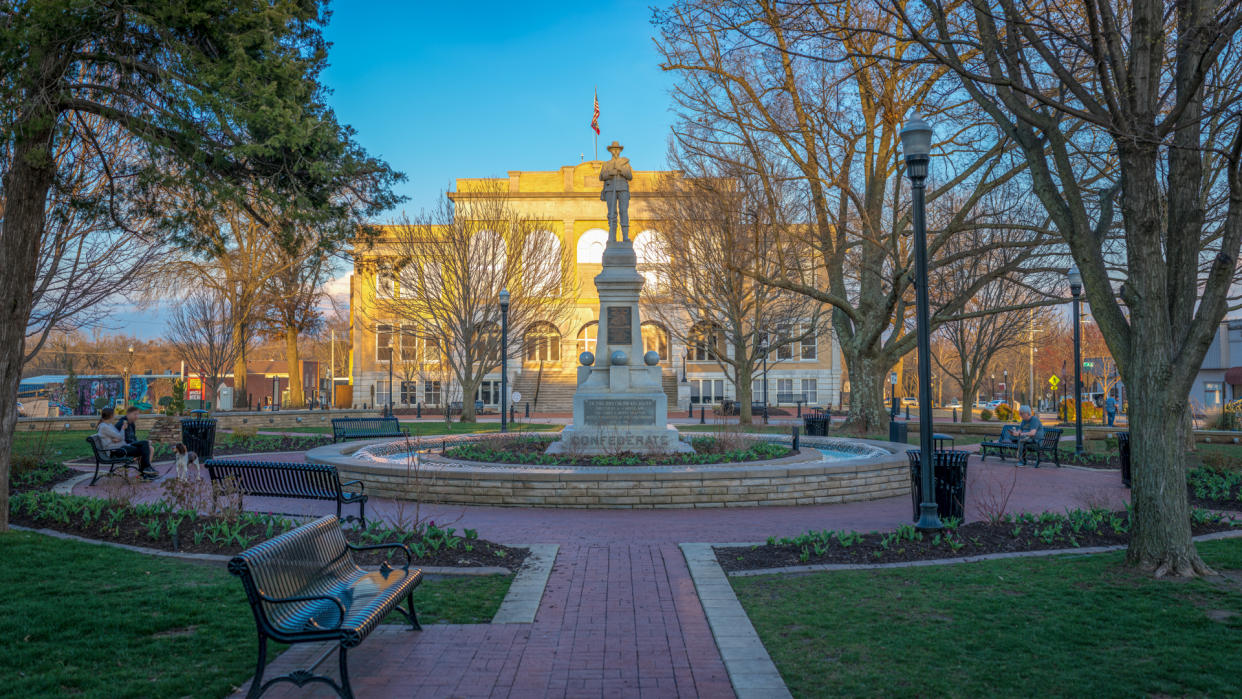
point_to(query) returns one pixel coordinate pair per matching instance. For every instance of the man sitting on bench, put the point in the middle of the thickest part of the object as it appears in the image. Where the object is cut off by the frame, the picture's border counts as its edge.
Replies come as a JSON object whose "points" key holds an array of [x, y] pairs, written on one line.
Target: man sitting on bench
{"points": [[113, 439], [1030, 431]]}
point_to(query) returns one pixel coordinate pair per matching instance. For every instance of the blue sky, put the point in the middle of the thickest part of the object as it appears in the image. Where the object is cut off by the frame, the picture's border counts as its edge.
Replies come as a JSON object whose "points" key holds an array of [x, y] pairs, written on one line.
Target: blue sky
{"points": [[447, 90]]}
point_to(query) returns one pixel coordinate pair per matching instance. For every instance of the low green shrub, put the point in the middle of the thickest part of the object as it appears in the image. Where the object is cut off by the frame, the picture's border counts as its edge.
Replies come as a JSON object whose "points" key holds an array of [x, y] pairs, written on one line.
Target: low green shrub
{"points": [[985, 415]]}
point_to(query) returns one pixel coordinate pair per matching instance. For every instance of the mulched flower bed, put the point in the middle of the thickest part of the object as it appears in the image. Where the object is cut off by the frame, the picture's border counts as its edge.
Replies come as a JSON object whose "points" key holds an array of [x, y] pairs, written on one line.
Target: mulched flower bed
{"points": [[41, 478], [228, 445], [159, 526], [1026, 532], [531, 450], [1214, 489]]}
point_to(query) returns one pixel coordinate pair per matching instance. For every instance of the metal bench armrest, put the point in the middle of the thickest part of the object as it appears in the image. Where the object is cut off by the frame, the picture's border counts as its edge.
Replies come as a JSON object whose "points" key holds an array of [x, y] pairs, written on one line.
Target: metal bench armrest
{"points": [[362, 487], [371, 547], [309, 598]]}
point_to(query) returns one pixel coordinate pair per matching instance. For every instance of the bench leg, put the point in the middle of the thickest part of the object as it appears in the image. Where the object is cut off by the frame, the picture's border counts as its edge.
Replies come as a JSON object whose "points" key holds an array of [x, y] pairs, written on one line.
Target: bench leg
{"points": [[256, 685], [345, 690], [413, 615], [96, 477]]}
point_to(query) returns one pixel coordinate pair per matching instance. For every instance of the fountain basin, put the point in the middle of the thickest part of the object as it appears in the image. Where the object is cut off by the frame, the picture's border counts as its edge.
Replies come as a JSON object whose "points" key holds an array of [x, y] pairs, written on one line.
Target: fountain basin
{"points": [[846, 470]]}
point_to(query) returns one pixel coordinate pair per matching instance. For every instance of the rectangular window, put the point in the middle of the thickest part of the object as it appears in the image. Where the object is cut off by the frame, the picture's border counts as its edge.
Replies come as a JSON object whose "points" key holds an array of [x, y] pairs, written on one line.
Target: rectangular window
{"points": [[409, 392], [1213, 394], [409, 344], [431, 392], [385, 284], [810, 391], [708, 391], [810, 343], [383, 343], [784, 351], [489, 392], [784, 392]]}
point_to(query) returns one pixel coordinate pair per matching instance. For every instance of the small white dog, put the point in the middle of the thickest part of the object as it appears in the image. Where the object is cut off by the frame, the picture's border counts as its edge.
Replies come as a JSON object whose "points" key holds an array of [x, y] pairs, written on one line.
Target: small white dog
{"points": [[185, 459]]}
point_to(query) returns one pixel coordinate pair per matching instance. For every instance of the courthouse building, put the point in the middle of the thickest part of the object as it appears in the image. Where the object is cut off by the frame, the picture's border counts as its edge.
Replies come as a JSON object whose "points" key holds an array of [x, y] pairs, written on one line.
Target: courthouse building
{"points": [[567, 200]]}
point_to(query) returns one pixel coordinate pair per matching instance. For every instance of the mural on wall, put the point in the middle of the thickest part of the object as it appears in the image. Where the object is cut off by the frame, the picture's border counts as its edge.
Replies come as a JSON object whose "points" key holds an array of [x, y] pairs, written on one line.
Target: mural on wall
{"points": [[96, 393]]}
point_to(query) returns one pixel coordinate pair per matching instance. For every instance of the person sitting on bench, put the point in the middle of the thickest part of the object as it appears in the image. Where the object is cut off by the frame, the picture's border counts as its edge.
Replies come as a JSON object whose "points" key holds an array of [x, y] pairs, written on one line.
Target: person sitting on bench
{"points": [[113, 438], [1030, 430]]}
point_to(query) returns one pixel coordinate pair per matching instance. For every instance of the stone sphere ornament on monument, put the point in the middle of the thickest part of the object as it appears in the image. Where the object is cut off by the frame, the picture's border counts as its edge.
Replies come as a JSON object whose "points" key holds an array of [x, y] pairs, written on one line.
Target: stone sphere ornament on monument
{"points": [[619, 405]]}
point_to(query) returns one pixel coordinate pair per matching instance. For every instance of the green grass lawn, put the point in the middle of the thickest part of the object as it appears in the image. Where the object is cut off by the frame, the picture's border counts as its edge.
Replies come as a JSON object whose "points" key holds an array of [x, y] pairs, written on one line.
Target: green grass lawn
{"points": [[95, 620], [1061, 626], [58, 445]]}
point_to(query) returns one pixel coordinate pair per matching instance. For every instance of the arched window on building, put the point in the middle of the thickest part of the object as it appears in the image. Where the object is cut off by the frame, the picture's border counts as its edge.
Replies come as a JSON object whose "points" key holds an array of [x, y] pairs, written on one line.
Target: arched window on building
{"points": [[655, 337], [705, 342], [487, 256], [591, 246], [541, 260], [587, 336], [652, 260], [542, 343]]}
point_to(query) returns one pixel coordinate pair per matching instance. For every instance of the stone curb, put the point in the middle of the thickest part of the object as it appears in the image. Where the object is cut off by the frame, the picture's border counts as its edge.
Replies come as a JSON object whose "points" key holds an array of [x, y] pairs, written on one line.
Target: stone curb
{"points": [[829, 567], [223, 559], [751, 671], [525, 594]]}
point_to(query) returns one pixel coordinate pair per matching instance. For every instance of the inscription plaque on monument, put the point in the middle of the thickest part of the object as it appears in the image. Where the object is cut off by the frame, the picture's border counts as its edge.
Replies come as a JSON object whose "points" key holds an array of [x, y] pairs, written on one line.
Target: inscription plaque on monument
{"points": [[620, 326], [608, 412]]}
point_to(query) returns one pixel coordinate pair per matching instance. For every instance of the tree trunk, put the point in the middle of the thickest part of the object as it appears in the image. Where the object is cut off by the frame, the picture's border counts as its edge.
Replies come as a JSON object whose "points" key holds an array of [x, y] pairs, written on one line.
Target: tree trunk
{"points": [[26, 186], [468, 392], [867, 414], [1160, 537], [745, 395], [296, 399]]}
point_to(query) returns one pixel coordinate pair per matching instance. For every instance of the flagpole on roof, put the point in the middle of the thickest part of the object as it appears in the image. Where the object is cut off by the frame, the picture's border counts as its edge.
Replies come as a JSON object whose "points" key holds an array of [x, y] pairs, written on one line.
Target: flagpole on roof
{"points": [[596, 129]]}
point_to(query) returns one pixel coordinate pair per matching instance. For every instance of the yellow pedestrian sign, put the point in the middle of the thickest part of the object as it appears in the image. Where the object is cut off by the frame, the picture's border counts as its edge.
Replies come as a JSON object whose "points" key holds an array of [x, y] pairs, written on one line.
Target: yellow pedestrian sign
{"points": [[1053, 381]]}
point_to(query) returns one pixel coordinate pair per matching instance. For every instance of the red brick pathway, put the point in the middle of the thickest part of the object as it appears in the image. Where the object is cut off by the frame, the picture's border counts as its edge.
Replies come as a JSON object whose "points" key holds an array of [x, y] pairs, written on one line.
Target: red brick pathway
{"points": [[620, 616]]}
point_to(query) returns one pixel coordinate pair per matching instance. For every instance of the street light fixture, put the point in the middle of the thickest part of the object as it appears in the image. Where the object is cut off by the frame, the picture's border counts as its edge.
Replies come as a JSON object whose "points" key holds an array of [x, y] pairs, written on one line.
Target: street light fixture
{"points": [[129, 372], [916, 145], [892, 395], [504, 360], [1075, 284]]}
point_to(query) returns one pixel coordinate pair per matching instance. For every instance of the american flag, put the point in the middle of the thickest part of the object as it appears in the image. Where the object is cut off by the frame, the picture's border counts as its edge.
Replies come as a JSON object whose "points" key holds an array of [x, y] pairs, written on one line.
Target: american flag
{"points": [[595, 115]]}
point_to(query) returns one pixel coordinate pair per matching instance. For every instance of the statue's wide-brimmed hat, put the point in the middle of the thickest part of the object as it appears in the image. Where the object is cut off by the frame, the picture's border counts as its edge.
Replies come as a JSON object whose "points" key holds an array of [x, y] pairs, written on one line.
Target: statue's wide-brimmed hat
{"points": [[615, 146]]}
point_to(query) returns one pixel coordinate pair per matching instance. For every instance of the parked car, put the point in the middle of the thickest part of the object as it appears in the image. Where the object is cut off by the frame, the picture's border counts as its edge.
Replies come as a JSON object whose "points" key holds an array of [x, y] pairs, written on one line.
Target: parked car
{"points": [[910, 400], [955, 403], [993, 404]]}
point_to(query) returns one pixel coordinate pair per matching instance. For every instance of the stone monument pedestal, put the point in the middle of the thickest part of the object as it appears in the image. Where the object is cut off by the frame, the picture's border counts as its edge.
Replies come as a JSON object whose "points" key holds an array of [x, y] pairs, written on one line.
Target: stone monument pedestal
{"points": [[619, 405]]}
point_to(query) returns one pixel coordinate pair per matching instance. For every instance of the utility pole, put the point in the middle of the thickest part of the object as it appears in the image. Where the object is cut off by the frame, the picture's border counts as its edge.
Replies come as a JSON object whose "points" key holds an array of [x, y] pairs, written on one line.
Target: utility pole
{"points": [[332, 369]]}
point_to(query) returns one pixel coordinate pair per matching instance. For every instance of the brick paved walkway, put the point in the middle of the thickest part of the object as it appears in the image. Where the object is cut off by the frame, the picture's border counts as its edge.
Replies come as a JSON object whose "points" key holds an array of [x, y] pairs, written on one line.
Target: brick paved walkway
{"points": [[620, 616]]}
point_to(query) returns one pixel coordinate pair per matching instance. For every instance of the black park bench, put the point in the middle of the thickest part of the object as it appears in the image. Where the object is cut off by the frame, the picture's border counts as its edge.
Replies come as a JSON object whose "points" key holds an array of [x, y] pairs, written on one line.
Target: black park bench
{"points": [[304, 587], [285, 480], [366, 428], [104, 457], [1046, 446]]}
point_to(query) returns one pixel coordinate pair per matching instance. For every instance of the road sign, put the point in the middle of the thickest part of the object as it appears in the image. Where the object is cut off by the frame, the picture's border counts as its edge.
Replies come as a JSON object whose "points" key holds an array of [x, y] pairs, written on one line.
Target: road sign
{"points": [[1053, 381]]}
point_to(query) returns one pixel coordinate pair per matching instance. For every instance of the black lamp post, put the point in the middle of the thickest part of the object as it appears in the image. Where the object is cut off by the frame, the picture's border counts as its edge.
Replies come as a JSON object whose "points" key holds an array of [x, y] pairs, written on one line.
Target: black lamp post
{"points": [[1005, 383], [892, 395], [504, 360], [129, 373], [391, 351], [992, 394], [1075, 284], [916, 145]]}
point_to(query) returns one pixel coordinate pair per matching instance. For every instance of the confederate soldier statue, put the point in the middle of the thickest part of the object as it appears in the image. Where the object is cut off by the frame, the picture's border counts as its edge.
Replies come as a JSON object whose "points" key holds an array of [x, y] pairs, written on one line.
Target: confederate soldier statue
{"points": [[616, 176]]}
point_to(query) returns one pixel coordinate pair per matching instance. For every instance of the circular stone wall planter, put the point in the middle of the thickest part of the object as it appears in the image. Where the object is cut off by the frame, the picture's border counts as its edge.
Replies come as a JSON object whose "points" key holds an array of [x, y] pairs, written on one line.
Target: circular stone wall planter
{"points": [[880, 470]]}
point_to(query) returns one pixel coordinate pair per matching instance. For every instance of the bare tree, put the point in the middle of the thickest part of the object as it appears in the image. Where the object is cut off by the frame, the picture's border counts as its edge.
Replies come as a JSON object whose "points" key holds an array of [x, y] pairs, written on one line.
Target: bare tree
{"points": [[798, 94], [293, 296], [441, 274], [87, 265], [1155, 85], [201, 330], [717, 236]]}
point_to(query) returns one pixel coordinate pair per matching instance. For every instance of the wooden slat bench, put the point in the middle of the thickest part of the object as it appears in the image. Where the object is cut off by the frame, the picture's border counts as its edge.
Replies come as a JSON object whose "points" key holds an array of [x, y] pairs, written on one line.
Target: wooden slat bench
{"points": [[304, 586], [344, 428], [104, 457], [285, 480]]}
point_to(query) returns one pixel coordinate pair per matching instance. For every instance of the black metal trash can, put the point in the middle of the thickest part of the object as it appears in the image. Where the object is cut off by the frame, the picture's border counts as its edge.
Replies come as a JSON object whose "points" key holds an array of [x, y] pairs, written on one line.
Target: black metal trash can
{"points": [[815, 423], [898, 432], [199, 436], [949, 480], [1123, 450]]}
